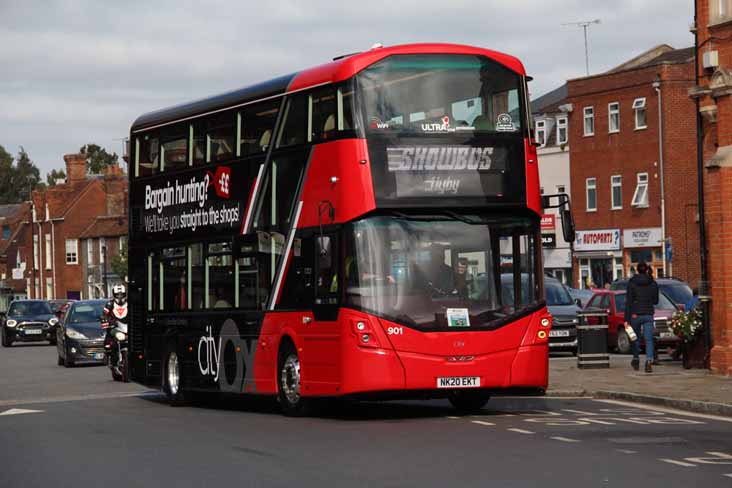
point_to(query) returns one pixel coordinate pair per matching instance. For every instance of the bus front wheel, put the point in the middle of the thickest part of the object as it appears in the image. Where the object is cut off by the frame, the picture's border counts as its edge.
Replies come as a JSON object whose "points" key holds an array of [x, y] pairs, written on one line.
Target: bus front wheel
{"points": [[469, 401], [288, 383]]}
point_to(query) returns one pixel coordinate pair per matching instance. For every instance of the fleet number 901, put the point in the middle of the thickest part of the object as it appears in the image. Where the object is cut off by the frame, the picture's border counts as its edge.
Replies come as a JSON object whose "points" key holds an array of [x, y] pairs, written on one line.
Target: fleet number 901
{"points": [[395, 330]]}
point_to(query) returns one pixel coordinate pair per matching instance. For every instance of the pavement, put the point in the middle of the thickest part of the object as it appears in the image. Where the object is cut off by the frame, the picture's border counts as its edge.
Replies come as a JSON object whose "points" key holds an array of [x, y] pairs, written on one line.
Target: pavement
{"points": [[669, 385]]}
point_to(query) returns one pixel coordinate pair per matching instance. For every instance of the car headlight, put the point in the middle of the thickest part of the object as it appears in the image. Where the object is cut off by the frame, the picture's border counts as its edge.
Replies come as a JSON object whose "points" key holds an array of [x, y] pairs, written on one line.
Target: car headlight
{"points": [[52, 321], [11, 323], [74, 334], [120, 336]]}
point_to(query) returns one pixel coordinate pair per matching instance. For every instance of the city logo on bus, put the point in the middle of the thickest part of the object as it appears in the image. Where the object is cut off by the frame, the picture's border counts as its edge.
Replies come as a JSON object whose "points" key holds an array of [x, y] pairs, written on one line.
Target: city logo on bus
{"points": [[209, 354]]}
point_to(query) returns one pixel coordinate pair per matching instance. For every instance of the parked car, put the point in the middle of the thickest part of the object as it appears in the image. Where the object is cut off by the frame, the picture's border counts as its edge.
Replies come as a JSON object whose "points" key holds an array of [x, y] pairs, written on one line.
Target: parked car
{"points": [[582, 295], [613, 301], [563, 309], [80, 337], [678, 291], [28, 321]]}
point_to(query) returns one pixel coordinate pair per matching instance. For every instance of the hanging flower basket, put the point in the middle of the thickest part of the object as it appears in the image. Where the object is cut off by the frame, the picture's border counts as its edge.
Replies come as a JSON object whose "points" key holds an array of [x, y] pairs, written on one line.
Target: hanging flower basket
{"points": [[689, 326]]}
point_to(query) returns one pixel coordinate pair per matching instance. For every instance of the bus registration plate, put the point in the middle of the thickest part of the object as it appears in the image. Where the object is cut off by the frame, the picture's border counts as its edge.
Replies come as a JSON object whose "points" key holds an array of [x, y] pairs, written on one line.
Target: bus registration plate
{"points": [[458, 382]]}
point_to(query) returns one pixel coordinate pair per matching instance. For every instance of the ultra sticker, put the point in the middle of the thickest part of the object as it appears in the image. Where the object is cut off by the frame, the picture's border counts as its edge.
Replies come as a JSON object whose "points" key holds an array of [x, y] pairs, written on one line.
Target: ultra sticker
{"points": [[504, 123], [458, 317]]}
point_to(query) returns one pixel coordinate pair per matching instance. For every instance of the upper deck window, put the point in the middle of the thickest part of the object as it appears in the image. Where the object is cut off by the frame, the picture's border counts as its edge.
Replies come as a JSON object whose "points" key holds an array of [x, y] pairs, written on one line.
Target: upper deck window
{"points": [[255, 124], [440, 94], [147, 155]]}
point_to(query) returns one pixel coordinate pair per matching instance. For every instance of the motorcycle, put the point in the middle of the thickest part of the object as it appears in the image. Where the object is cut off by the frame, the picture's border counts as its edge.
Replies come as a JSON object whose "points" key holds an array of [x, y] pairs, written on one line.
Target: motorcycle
{"points": [[116, 345]]}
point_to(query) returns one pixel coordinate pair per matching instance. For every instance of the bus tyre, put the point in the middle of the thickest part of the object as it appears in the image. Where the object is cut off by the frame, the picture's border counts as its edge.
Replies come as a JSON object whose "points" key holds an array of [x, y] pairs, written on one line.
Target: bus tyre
{"points": [[469, 401], [288, 383], [172, 379], [623, 342]]}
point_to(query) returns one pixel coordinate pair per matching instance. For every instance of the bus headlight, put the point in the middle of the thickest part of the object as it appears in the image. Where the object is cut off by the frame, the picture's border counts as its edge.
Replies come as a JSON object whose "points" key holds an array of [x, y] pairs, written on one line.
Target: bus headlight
{"points": [[545, 322]]}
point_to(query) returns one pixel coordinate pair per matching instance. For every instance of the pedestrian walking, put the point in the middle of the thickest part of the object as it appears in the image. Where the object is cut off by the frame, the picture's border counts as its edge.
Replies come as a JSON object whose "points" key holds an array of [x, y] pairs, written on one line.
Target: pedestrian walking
{"points": [[641, 296]]}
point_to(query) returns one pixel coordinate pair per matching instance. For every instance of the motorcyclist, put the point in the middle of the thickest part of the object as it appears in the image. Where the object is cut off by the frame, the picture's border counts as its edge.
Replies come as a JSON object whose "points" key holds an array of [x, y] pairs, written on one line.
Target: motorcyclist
{"points": [[114, 310]]}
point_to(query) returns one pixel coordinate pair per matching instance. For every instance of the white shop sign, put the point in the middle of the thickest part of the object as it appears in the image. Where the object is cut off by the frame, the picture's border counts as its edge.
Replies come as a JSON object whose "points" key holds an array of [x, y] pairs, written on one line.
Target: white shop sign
{"points": [[650, 237], [597, 240]]}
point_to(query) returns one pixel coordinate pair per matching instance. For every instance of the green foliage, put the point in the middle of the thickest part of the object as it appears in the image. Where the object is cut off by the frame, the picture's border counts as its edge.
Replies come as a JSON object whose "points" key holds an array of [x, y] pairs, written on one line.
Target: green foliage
{"points": [[18, 178], [118, 263], [97, 158], [687, 325], [55, 174]]}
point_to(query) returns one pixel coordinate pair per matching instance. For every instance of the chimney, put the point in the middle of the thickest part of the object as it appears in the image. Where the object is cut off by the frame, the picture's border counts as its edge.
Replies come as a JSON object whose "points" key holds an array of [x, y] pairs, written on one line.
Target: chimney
{"points": [[75, 167], [115, 189]]}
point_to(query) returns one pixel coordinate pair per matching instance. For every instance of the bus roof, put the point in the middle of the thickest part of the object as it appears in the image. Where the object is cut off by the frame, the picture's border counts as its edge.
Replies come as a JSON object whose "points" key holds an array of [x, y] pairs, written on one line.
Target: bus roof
{"points": [[333, 72]]}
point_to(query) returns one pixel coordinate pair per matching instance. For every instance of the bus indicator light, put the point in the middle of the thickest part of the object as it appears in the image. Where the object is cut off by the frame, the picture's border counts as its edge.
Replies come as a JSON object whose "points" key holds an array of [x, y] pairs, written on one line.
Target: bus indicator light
{"points": [[542, 334]]}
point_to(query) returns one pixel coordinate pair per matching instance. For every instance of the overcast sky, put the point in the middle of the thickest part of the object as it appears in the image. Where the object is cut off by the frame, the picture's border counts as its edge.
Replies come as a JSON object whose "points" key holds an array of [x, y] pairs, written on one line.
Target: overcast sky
{"points": [[78, 71]]}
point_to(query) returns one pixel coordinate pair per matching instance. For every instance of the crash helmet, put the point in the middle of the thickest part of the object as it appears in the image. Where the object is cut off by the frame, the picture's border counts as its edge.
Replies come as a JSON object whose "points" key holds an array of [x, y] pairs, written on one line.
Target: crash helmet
{"points": [[120, 294]]}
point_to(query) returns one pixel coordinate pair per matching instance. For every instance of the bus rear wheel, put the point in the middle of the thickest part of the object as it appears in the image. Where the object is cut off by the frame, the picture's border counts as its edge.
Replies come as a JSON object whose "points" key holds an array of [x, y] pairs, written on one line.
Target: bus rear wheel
{"points": [[469, 401], [288, 383]]}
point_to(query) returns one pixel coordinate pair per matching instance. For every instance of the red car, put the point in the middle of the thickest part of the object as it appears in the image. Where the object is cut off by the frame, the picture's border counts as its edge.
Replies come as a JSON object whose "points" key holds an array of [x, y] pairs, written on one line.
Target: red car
{"points": [[613, 301]]}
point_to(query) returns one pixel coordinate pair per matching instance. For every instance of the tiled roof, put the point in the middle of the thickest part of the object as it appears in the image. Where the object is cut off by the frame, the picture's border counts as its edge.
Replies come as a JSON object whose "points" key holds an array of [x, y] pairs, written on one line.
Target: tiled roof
{"points": [[677, 56], [106, 226], [549, 102], [9, 209]]}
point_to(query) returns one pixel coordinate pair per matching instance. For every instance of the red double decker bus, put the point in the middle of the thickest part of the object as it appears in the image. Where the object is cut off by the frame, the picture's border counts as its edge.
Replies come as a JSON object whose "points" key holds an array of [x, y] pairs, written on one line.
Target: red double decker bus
{"points": [[368, 228]]}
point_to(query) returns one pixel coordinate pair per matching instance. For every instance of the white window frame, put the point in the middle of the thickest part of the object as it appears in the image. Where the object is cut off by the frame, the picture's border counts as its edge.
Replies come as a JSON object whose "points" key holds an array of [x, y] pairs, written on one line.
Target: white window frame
{"points": [[540, 127], [588, 115], [639, 105], [49, 257], [641, 189], [72, 251], [590, 184], [616, 181], [36, 251], [720, 10], [562, 124], [90, 252], [49, 289], [102, 244], [613, 109]]}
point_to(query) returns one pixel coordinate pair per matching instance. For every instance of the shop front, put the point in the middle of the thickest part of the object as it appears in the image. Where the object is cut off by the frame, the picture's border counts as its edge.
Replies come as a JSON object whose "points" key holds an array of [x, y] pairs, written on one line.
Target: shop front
{"points": [[557, 255], [643, 246], [599, 257]]}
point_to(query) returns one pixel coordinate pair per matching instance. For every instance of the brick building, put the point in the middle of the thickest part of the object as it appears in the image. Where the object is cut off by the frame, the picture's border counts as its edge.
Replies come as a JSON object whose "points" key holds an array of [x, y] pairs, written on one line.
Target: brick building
{"points": [[551, 129], [712, 92], [617, 169], [12, 217], [45, 249]]}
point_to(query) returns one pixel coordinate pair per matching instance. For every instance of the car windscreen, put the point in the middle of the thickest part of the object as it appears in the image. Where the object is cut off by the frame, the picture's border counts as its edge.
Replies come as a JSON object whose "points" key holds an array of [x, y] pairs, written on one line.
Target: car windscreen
{"points": [[29, 308], [678, 292], [556, 294], [86, 312]]}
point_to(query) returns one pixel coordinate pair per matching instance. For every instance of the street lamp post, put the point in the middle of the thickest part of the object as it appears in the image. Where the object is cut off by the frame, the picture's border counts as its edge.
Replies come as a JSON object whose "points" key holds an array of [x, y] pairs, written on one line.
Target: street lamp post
{"points": [[657, 86]]}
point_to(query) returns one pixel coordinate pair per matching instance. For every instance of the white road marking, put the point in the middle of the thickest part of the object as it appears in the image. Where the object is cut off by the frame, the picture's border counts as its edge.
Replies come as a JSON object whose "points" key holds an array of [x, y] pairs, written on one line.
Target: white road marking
{"points": [[674, 411], [80, 398], [521, 431], [579, 412], [480, 422], [564, 439], [19, 411], [453, 418], [728, 475], [678, 463], [627, 451]]}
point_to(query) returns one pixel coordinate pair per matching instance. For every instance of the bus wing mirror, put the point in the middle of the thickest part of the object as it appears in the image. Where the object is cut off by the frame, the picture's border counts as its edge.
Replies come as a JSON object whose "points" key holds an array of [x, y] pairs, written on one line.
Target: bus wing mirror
{"points": [[568, 228], [324, 251]]}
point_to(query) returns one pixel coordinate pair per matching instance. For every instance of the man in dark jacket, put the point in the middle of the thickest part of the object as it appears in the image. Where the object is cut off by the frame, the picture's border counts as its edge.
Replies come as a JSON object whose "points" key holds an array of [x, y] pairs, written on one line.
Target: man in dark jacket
{"points": [[641, 296]]}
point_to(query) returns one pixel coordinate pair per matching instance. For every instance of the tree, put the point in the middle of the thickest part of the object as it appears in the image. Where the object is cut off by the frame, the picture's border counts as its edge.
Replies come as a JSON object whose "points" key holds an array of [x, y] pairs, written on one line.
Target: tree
{"points": [[55, 174], [17, 179], [118, 263], [97, 158]]}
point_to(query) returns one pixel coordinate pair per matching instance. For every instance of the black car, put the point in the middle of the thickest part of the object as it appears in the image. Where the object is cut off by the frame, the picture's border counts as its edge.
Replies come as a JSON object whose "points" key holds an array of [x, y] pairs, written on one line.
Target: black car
{"points": [[28, 321], [80, 337], [678, 291]]}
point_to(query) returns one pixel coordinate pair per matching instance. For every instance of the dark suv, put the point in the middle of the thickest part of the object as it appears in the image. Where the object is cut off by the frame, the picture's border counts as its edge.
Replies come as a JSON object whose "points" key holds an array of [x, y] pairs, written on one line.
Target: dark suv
{"points": [[678, 291], [28, 321]]}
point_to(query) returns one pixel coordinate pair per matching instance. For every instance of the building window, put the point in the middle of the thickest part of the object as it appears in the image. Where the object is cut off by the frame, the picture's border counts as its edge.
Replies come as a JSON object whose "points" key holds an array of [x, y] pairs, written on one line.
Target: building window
{"points": [[541, 132], [6, 232], [72, 251], [639, 107], [561, 130], [589, 114], [591, 187], [35, 253], [616, 183], [90, 252], [640, 197], [720, 10], [48, 251], [613, 117], [49, 289], [102, 250]]}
